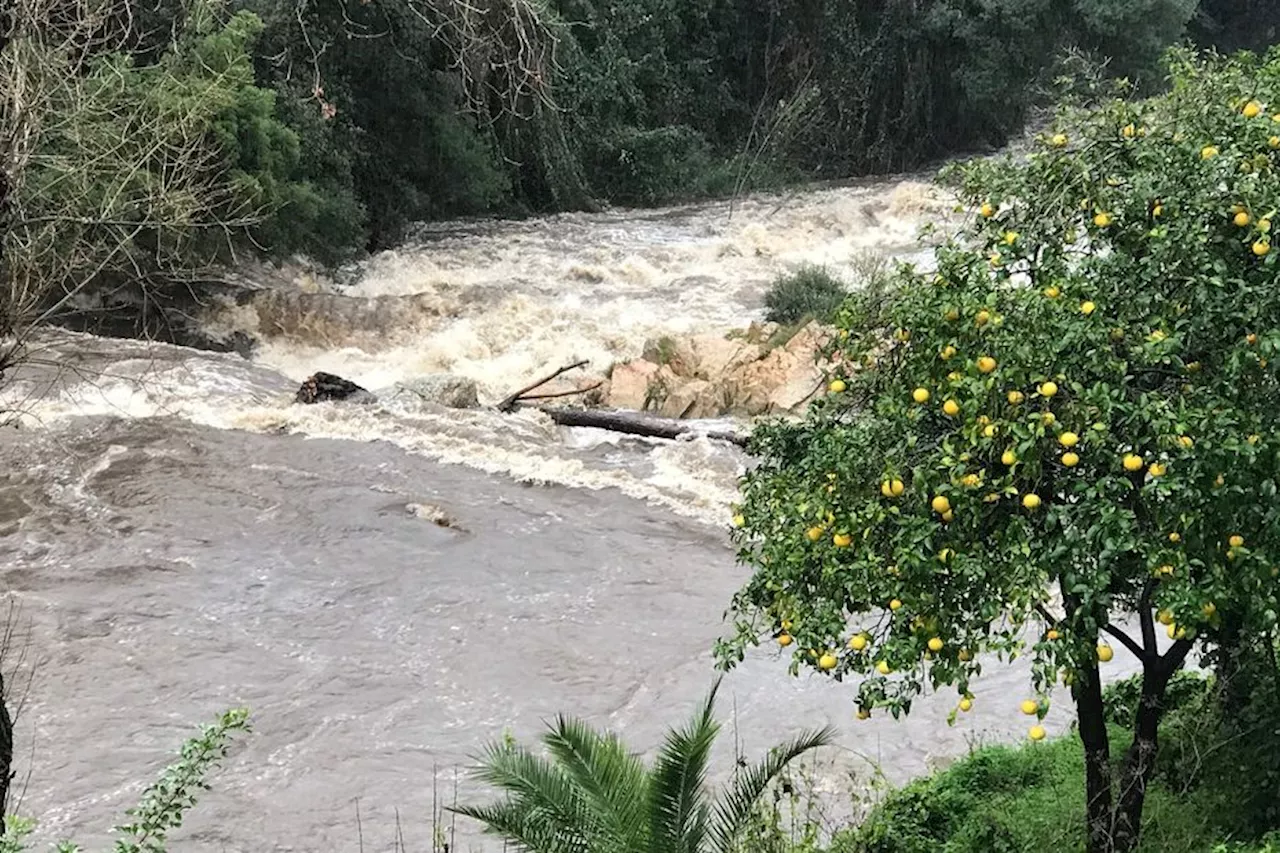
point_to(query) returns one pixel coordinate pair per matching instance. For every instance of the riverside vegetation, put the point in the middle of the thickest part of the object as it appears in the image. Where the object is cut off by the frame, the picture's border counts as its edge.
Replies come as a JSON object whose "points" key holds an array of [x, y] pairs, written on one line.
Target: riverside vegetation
{"points": [[1078, 402]]}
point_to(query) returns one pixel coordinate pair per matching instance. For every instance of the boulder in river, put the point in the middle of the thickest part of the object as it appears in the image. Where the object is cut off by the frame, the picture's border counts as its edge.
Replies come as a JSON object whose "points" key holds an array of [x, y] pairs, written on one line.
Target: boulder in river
{"points": [[441, 389], [629, 385], [320, 387]]}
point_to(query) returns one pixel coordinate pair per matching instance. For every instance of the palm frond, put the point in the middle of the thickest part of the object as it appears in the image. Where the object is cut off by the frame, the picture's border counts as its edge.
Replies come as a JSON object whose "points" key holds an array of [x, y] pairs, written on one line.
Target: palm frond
{"points": [[527, 829], [610, 780], [544, 799], [678, 804], [735, 805]]}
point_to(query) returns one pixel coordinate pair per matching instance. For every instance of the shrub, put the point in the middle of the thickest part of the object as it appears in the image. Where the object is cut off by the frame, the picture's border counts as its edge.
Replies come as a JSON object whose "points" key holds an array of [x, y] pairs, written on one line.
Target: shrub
{"points": [[809, 293]]}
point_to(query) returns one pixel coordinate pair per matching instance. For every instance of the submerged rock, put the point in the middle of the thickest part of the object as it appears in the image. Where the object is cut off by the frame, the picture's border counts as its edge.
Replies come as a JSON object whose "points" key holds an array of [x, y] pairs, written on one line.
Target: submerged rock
{"points": [[441, 389], [321, 387]]}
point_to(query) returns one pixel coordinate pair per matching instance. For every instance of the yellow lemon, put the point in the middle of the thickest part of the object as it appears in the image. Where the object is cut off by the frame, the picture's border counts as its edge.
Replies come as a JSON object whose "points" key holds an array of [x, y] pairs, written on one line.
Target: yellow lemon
{"points": [[837, 386], [982, 317], [842, 540], [786, 624], [739, 520], [1208, 152], [1068, 439], [1251, 339], [1133, 462], [897, 487], [883, 667], [940, 504], [1059, 140], [1209, 609], [1048, 389], [814, 533], [1175, 537], [1087, 308], [920, 395], [1165, 571], [1186, 441], [1261, 248], [1030, 706], [864, 714], [886, 489], [1010, 237], [1236, 541], [1052, 292], [1157, 469], [1128, 131], [948, 517], [784, 640], [986, 364], [1052, 634], [947, 352], [971, 480], [1102, 219], [966, 655], [1048, 419], [1274, 142], [1253, 109], [952, 314], [827, 661], [1008, 457], [1157, 211], [1071, 460], [1105, 652], [1016, 397], [951, 408], [1036, 733], [1031, 501], [858, 642], [1242, 219], [1165, 617], [965, 704], [990, 430], [987, 210], [895, 605], [935, 644]]}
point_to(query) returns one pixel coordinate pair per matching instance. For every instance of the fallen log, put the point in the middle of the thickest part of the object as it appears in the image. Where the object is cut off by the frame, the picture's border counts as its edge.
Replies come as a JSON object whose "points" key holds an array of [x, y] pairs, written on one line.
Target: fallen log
{"points": [[635, 423]]}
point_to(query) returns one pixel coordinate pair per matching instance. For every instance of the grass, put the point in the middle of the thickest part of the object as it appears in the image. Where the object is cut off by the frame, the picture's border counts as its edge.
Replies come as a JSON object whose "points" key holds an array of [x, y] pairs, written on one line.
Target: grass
{"points": [[1215, 791]]}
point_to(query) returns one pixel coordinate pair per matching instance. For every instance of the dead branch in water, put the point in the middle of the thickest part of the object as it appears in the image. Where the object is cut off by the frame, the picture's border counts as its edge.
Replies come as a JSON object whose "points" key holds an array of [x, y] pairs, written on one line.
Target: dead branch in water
{"points": [[635, 423], [509, 403], [572, 393]]}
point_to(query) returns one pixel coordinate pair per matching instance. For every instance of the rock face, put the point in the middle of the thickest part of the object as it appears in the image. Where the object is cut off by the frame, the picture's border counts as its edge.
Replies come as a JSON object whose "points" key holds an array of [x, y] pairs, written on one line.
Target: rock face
{"points": [[441, 389], [320, 387], [707, 375]]}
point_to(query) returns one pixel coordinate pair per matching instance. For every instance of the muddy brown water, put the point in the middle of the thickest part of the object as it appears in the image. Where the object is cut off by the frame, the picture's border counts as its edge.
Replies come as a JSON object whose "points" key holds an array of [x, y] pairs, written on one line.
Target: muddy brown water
{"points": [[180, 539]]}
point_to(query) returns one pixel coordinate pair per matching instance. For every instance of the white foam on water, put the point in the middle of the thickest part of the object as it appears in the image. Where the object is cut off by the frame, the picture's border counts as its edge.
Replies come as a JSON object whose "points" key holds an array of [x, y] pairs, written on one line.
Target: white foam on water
{"points": [[520, 299]]}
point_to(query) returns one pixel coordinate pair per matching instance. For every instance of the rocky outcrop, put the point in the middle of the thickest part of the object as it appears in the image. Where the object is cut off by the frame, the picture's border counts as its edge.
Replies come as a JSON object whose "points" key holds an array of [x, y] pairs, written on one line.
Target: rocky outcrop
{"points": [[758, 371], [322, 387]]}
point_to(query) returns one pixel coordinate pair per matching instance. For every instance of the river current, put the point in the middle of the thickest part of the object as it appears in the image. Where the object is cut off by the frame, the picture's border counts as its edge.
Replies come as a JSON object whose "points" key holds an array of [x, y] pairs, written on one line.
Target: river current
{"points": [[179, 538]]}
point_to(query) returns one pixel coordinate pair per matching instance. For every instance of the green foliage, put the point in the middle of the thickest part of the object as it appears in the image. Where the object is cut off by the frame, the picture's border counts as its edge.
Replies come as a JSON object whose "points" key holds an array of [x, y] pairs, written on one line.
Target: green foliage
{"points": [[165, 802], [811, 292], [1028, 799], [1073, 406], [1121, 697], [591, 793]]}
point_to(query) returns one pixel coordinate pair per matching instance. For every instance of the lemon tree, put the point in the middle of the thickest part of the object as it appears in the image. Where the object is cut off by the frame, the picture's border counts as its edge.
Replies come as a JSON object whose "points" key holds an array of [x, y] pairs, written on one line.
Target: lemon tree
{"points": [[1059, 442]]}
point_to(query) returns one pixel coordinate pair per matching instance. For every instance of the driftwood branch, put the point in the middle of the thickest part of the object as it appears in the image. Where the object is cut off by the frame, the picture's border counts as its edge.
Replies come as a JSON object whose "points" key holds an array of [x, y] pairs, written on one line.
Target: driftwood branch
{"points": [[572, 393], [635, 423], [510, 402]]}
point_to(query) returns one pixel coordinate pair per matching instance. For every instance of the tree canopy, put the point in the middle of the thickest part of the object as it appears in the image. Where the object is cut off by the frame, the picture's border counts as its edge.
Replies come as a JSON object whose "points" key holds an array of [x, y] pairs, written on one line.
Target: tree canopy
{"points": [[1059, 438]]}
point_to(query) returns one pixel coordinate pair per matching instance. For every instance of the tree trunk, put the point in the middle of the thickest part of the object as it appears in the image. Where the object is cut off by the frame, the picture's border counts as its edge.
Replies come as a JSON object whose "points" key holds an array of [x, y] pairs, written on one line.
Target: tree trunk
{"points": [[1140, 761], [1231, 673], [635, 423], [6, 749], [1090, 715]]}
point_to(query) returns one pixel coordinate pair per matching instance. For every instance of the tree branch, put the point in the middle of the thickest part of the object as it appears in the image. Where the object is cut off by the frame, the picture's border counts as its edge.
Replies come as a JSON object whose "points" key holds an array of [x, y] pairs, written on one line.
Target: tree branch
{"points": [[1127, 641], [509, 403], [1145, 619]]}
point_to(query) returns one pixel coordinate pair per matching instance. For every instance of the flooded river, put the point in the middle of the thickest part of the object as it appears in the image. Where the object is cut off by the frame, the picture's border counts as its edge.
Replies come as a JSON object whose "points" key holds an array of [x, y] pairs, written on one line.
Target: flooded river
{"points": [[179, 538]]}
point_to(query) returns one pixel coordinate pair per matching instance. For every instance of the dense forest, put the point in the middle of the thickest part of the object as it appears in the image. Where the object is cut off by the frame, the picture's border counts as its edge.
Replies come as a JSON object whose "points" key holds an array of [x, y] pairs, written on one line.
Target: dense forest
{"points": [[153, 141]]}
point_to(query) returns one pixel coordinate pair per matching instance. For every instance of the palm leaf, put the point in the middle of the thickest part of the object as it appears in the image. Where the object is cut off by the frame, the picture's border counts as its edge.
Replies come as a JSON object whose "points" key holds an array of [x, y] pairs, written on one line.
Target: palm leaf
{"points": [[542, 803], [525, 828], [678, 804], [735, 805], [610, 780]]}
